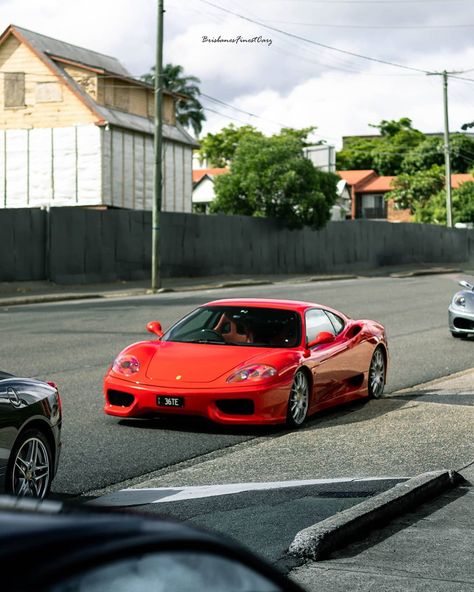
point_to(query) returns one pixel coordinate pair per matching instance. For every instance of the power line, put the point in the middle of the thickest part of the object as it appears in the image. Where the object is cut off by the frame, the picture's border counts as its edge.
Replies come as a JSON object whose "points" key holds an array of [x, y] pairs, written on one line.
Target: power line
{"points": [[300, 38], [372, 27], [243, 111], [395, 2]]}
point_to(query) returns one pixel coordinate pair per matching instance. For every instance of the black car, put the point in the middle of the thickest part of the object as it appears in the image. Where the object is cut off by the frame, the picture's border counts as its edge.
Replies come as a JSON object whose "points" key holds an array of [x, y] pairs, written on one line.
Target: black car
{"points": [[30, 432], [51, 547]]}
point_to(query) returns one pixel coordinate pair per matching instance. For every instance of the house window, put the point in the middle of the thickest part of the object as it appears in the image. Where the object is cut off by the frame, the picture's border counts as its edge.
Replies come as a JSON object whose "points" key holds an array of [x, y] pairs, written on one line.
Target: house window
{"points": [[14, 89], [48, 92], [374, 206]]}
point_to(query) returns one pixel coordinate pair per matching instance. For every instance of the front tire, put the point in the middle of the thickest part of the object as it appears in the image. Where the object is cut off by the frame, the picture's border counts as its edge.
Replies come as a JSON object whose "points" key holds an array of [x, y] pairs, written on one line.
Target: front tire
{"points": [[298, 401], [30, 469], [454, 334], [376, 377]]}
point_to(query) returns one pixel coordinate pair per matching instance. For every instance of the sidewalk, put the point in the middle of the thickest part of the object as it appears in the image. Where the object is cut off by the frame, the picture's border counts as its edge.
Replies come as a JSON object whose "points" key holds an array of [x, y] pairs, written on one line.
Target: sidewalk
{"points": [[428, 548], [31, 292]]}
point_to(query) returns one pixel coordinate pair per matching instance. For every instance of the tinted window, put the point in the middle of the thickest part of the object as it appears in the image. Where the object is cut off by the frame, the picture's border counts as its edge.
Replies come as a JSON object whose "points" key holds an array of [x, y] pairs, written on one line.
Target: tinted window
{"points": [[317, 321], [337, 322], [235, 325]]}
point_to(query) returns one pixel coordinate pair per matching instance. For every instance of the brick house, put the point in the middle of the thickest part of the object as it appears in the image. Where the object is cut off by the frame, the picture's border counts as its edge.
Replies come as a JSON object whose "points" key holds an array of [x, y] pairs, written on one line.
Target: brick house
{"points": [[368, 196]]}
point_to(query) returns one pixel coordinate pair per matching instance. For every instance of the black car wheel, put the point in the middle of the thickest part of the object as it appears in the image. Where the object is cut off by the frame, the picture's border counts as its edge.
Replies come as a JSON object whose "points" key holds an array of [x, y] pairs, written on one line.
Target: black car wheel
{"points": [[376, 379], [454, 334], [298, 402], [30, 469]]}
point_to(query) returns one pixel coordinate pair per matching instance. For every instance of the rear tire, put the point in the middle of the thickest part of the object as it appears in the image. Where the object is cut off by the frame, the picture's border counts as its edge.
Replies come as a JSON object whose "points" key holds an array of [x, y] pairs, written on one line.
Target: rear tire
{"points": [[376, 375], [298, 401], [30, 468]]}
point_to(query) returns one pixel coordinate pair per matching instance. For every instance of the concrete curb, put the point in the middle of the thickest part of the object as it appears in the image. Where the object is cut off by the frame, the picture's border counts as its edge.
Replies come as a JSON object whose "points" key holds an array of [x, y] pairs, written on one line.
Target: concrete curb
{"points": [[319, 540], [59, 297], [40, 298], [45, 298], [432, 271]]}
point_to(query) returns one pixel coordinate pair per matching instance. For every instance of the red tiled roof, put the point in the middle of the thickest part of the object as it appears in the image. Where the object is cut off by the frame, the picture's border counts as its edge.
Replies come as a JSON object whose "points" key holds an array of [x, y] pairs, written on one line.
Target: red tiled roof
{"points": [[356, 177], [377, 185], [460, 178], [198, 174]]}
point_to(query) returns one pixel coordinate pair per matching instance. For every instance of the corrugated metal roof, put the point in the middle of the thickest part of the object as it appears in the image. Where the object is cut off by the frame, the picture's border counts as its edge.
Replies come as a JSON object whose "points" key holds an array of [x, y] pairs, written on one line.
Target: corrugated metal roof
{"points": [[143, 124], [50, 46]]}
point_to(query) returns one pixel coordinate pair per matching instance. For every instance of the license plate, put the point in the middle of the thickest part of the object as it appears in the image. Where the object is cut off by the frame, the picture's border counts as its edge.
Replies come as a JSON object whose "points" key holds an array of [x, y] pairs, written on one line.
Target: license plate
{"points": [[165, 401]]}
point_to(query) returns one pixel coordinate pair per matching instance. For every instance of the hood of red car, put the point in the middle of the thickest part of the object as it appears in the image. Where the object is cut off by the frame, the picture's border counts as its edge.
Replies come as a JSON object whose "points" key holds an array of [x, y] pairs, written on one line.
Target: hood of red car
{"points": [[197, 362]]}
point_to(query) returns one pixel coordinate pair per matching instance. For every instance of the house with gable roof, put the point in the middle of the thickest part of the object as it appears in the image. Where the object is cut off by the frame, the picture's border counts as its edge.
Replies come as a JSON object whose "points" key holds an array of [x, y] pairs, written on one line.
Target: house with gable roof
{"points": [[368, 201], [76, 129]]}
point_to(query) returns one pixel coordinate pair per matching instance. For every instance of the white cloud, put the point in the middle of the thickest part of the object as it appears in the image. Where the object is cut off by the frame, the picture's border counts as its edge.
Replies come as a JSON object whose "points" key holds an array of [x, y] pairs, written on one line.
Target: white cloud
{"points": [[291, 81]]}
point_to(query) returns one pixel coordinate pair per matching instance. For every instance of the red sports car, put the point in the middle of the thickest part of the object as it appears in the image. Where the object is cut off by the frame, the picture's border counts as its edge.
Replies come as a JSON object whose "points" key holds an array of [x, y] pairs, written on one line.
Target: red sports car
{"points": [[258, 361]]}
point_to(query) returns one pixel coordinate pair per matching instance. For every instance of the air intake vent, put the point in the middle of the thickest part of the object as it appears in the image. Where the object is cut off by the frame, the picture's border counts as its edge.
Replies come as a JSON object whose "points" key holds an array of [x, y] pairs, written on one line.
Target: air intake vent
{"points": [[120, 399], [236, 406]]}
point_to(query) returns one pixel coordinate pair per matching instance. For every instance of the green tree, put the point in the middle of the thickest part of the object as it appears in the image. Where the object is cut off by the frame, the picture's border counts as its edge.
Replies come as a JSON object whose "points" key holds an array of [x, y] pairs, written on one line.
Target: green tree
{"points": [[414, 191], [218, 149], [189, 110], [434, 211], [430, 152], [270, 177], [384, 153]]}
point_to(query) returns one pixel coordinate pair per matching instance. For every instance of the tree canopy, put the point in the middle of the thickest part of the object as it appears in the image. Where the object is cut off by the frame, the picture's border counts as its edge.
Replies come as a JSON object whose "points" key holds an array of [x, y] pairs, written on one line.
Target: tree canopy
{"points": [[189, 110], [384, 153], [218, 149], [401, 149], [270, 177], [423, 192]]}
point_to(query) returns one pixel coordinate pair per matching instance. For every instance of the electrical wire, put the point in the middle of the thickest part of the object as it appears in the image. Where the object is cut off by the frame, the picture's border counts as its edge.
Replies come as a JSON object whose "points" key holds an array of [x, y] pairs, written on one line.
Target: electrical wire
{"points": [[319, 44]]}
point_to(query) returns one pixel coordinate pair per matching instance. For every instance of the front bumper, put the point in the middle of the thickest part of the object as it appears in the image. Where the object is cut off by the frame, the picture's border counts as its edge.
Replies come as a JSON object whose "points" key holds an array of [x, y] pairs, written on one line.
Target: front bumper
{"points": [[460, 321], [256, 404]]}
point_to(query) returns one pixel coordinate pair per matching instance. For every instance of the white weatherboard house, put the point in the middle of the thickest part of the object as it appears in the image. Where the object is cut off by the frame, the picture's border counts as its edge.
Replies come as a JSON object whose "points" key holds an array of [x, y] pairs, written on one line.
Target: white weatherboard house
{"points": [[76, 129]]}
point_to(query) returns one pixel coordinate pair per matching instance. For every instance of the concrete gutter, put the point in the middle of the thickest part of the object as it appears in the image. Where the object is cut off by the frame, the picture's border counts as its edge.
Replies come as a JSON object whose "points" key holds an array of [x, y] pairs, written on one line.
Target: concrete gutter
{"points": [[318, 541]]}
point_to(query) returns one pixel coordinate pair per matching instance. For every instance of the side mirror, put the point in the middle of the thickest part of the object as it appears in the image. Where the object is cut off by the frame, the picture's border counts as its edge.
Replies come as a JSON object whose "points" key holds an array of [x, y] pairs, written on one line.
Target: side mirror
{"points": [[155, 327], [321, 338], [467, 285]]}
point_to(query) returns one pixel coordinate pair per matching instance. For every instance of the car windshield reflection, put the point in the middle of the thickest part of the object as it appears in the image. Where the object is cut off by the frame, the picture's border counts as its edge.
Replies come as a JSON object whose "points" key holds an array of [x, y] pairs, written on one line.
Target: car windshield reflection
{"points": [[241, 326], [169, 571]]}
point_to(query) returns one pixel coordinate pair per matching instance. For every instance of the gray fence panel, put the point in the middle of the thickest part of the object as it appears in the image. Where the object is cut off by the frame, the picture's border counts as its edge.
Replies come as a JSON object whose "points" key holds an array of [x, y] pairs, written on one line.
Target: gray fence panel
{"points": [[22, 244], [87, 245]]}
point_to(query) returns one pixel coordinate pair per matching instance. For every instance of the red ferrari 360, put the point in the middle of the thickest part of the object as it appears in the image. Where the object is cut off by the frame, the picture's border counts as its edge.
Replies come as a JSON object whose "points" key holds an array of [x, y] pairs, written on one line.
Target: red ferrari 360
{"points": [[258, 361]]}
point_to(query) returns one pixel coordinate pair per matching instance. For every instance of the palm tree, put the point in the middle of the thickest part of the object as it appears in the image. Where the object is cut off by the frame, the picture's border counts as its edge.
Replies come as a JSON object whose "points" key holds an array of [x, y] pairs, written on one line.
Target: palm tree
{"points": [[189, 111]]}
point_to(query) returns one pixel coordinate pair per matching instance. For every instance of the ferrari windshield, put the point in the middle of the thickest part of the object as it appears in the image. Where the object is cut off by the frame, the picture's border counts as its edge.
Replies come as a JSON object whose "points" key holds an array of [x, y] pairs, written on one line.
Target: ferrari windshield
{"points": [[238, 325]]}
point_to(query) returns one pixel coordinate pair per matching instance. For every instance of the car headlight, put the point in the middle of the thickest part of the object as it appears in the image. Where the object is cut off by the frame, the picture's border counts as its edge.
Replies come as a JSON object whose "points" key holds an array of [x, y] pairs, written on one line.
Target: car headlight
{"points": [[459, 301], [253, 372], [126, 365]]}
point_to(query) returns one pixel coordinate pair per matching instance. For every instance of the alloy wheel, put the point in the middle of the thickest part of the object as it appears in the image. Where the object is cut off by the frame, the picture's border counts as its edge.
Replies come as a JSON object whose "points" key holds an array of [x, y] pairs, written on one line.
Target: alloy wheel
{"points": [[377, 374], [31, 469], [298, 402]]}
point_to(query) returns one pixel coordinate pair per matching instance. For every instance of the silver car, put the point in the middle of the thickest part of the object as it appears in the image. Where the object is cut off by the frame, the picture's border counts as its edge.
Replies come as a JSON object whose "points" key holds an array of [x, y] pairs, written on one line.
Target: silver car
{"points": [[461, 311]]}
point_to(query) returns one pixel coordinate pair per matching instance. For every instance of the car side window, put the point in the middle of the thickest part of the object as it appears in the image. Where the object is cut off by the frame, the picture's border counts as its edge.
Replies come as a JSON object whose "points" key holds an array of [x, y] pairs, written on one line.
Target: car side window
{"points": [[337, 322], [317, 321]]}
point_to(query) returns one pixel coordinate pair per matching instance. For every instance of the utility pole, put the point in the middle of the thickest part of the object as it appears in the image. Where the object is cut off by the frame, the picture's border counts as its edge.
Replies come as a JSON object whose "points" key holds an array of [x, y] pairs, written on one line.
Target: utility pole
{"points": [[447, 154], [447, 151], [158, 161]]}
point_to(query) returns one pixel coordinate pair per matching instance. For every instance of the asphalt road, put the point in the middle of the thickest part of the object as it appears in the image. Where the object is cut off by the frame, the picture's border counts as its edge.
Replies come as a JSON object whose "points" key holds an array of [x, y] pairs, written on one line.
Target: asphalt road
{"points": [[72, 343]]}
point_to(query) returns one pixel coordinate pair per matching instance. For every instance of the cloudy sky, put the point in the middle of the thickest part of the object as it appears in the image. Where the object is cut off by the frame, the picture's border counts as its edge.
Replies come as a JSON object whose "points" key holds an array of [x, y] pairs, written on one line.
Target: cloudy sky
{"points": [[293, 63]]}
